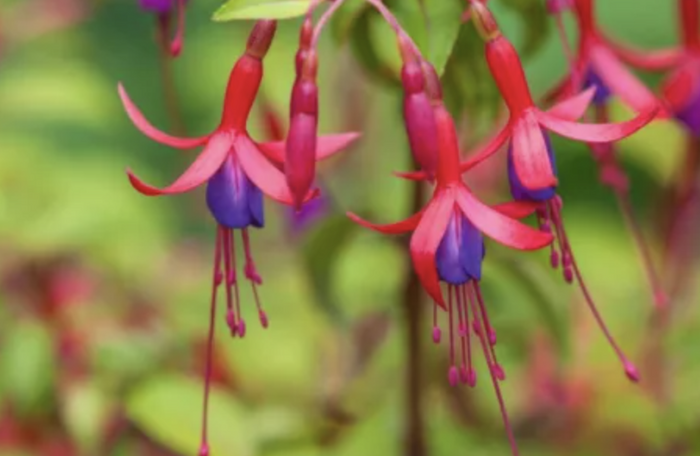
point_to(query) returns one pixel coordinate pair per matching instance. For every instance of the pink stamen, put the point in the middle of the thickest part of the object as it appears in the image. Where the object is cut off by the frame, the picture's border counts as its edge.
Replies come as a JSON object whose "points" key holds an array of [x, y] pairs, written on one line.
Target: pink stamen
{"points": [[437, 334], [230, 279], [204, 446], [630, 369], [480, 300], [176, 44], [494, 379], [471, 372], [241, 322], [453, 374], [254, 277]]}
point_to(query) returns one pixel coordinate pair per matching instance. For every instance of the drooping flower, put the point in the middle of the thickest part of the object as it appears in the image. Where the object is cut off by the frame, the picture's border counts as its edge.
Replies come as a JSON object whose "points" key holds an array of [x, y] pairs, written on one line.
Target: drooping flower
{"points": [[238, 172], [596, 63], [165, 11], [531, 161], [447, 246]]}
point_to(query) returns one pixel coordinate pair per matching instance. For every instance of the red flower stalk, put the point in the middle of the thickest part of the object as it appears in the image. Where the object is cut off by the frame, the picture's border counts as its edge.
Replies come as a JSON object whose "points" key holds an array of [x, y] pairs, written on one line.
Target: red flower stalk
{"points": [[597, 64], [447, 246], [237, 173], [165, 11], [531, 165]]}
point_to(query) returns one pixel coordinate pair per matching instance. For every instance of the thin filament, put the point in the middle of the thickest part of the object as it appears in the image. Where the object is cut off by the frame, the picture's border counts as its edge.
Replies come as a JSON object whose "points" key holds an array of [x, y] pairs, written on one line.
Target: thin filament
{"points": [[494, 380], [325, 17], [230, 277], [204, 445], [394, 23]]}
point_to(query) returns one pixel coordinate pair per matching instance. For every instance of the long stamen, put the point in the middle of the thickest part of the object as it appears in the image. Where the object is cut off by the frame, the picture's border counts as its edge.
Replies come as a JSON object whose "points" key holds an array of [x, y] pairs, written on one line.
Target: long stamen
{"points": [[437, 334], [567, 48], [230, 273], [453, 374], [563, 242], [498, 370], [543, 221], [241, 321], [630, 369], [487, 354], [217, 279], [471, 373], [461, 331], [253, 276]]}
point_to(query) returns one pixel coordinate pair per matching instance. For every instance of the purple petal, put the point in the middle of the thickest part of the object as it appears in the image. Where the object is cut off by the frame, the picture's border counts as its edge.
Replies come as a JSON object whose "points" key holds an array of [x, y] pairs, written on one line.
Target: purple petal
{"points": [[461, 251], [233, 200]]}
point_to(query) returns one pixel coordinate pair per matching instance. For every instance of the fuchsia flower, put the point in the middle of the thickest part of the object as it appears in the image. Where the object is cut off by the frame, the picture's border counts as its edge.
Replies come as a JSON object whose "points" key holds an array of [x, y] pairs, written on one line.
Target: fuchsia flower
{"points": [[531, 164], [681, 88], [165, 10], [447, 246], [237, 172], [597, 64]]}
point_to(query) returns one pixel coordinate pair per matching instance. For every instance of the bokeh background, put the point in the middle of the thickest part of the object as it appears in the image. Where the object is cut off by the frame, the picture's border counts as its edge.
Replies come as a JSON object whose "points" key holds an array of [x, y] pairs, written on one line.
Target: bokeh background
{"points": [[104, 293]]}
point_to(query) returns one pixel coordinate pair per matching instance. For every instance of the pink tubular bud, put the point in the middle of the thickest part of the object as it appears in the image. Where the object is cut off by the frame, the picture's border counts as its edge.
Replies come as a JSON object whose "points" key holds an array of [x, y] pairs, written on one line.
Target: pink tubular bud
{"points": [[305, 35], [419, 118], [260, 38], [300, 160], [432, 82]]}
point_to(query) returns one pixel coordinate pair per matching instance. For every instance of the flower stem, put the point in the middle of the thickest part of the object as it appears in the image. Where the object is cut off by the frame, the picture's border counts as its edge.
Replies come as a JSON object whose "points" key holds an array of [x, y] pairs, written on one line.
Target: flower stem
{"points": [[414, 441], [172, 105]]}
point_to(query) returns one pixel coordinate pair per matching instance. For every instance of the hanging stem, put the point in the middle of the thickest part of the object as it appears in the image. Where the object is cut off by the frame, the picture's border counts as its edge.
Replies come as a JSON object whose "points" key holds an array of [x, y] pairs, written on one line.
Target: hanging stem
{"points": [[415, 444], [172, 106]]}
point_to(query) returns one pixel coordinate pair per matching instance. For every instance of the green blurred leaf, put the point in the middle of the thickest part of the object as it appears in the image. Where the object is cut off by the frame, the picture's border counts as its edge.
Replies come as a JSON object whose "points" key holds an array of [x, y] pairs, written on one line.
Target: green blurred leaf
{"points": [[27, 367], [434, 26], [321, 252], [261, 9], [365, 51], [86, 411], [535, 20], [168, 409]]}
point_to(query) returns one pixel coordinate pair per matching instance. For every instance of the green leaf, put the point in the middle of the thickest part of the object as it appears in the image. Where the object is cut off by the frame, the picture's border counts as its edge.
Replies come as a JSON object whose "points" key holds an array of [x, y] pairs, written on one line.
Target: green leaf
{"points": [[434, 25], [261, 9], [534, 17], [320, 252], [85, 412], [27, 367], [168, 409]]}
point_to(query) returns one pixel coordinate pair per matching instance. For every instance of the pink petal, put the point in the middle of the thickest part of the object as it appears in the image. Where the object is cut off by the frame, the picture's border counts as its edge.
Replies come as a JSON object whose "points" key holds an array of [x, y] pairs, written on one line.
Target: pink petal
{"points": [[484, 151], [503, 229], [620, 81], [517, 209], [680, 86], [596, 133], [262, 173], [207, 163], [573, 108], [426, 240], [404, 226], [152, 132], [530, 156], [412, 175], [644, 59], [326, 146]]}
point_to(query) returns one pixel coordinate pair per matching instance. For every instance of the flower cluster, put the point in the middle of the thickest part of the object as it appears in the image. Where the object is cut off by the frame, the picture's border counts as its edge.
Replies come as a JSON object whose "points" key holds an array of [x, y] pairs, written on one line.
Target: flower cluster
{"points": [[448, 236]]}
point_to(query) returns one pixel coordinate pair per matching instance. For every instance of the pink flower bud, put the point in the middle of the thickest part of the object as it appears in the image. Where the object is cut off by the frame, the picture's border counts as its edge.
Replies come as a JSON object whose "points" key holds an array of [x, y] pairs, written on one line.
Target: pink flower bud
{"points": [[260, 38], [300, 161], [419, 118]]}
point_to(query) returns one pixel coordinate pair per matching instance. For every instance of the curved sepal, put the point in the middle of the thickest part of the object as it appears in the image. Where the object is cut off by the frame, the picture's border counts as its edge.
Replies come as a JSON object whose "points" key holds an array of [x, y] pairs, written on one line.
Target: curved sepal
{"points": [[404, 226], [426, 240], [573, 108], [263, 174], [517, 209], [596, 133], [326, 146], [200, 171], [644, 59], [152, 132], [621, 82], [499, 227]]}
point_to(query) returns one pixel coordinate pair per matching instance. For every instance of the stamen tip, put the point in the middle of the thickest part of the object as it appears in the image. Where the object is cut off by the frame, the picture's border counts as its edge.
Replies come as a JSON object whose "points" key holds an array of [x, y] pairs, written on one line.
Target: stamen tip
{"points": [[231, 322], [568, 275], [241, 328], [437, 334], [203, 450], [492, 337], [499, 372], [453, 376], [263, 319], [631, 372], [471, 378]]}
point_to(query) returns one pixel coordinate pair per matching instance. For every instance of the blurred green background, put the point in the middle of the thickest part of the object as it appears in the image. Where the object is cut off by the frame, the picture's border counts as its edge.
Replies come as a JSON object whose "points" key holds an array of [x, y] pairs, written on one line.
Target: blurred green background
{"points": [[104, 293]]}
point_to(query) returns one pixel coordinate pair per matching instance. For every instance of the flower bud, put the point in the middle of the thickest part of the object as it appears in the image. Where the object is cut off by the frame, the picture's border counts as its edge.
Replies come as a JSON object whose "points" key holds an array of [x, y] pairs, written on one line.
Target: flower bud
{"points": [[484, 22], [419, 118], [300, 161], [305, 35], [260, 38]]}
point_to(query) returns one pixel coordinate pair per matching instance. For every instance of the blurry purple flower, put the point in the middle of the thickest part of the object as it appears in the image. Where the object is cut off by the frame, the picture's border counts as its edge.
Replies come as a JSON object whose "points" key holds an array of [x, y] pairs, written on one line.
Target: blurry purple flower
{"points": [[158, 6], [310, 213]]}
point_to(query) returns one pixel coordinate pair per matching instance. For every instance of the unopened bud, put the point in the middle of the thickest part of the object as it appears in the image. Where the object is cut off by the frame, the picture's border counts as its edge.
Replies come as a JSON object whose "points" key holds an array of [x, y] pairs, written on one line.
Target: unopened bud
{"points": [[405, 49], [305, 35], [484, 22], [419, 118], [309, 67], [300, 159], [260, 38]]}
